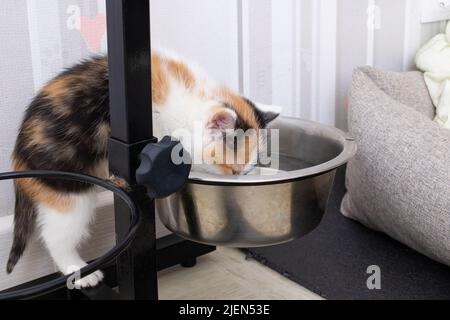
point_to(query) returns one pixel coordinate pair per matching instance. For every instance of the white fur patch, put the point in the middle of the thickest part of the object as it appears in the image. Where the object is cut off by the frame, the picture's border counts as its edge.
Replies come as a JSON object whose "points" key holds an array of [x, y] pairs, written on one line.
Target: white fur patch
{"points": [[63, 232], [184, 108]]}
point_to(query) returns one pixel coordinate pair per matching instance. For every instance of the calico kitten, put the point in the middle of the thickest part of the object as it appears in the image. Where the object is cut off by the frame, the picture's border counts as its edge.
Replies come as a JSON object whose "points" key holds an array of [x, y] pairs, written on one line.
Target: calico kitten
{"points": [[66, 127]]}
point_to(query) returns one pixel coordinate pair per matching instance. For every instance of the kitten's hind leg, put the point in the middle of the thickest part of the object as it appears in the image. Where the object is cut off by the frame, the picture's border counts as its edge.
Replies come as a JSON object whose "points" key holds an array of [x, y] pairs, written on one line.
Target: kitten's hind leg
{"points": [[64, 230]]}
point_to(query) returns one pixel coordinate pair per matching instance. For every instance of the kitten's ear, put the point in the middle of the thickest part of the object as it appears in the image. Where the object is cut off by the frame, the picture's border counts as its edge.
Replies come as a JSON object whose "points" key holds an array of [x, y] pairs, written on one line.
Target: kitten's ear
{"points": [[222, 120], [268, 113], [268, 117]]}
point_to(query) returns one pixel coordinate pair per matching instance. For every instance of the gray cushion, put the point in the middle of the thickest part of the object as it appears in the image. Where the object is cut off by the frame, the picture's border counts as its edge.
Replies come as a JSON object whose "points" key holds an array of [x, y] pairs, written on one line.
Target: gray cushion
{"points": [[399, 181], [408, 88]]}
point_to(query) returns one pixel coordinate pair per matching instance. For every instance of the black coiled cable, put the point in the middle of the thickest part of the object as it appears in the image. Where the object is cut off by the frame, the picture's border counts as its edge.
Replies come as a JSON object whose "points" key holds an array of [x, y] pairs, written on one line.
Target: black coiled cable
{"points": [[98, 263]]}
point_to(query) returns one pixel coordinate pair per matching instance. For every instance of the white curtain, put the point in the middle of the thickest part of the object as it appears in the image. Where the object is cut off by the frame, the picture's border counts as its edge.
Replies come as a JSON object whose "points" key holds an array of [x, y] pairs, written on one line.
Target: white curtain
{"points": [[295, 53]]}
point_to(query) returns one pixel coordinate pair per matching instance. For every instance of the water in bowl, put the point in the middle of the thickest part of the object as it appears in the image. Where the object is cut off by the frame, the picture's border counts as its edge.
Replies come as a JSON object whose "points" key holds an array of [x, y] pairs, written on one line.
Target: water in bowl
{"points": [[286, 164]]}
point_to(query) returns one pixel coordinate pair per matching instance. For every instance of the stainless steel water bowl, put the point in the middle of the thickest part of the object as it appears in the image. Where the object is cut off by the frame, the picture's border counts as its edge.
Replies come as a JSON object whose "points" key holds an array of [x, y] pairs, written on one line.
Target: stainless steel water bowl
{"points": [[262, 210]]}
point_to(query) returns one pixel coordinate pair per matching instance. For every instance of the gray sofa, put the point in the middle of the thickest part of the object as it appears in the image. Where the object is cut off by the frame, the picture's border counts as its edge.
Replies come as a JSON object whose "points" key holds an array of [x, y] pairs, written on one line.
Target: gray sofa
{"points": [[399, 182]]}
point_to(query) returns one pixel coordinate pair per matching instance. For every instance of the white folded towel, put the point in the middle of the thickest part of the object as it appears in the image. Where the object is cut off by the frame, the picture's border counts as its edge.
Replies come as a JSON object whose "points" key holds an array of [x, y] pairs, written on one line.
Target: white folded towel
{"points": [[434, 59]]}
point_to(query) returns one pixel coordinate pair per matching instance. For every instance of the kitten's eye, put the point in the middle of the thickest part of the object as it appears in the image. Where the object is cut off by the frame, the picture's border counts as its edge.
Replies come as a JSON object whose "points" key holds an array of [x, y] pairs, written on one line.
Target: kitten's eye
{"points": [[232, 141]]}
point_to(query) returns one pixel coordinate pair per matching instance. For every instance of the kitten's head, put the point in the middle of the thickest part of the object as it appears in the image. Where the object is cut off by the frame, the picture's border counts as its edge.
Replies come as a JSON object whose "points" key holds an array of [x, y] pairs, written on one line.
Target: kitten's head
{"points": [[232, 136]]}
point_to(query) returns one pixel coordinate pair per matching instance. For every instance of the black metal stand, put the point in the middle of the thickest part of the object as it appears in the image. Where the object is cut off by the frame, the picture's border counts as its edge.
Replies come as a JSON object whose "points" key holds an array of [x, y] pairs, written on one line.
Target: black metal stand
{"points": [[135, 271], [129, 51], [131, 123]]}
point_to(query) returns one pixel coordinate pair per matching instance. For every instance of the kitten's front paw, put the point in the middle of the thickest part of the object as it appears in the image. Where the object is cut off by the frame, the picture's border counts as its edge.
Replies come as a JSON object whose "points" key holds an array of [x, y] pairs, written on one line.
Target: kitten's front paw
{"points": [[119, 182], [91, 280]]}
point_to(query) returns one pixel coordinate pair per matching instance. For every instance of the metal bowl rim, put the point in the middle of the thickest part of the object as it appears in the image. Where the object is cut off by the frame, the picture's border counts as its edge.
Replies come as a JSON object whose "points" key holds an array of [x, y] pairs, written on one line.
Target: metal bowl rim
{"points": [[349, 149]]}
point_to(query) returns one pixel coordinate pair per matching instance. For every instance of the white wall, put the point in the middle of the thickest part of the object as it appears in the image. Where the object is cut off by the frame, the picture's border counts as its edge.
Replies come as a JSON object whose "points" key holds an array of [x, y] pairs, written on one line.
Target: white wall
{"points": [[395, 35], [301, 53], [203, 30], [296, 53]]}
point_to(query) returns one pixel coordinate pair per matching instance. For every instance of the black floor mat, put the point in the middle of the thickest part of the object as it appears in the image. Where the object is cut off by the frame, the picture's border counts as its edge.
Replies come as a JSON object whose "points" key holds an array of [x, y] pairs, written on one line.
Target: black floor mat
{"points": [[332, 261]]}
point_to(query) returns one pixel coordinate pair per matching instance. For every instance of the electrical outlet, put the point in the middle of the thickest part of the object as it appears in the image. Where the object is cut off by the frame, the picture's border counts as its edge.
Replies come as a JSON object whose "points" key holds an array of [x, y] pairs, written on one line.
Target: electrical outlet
{"points": [[435, 10]]}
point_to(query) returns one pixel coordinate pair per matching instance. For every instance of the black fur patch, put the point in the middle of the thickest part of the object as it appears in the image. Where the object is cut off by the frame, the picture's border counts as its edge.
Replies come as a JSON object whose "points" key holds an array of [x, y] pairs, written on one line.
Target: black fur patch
{"points": [[240, 123], [70, 122], [24, 224], [263, 118]]}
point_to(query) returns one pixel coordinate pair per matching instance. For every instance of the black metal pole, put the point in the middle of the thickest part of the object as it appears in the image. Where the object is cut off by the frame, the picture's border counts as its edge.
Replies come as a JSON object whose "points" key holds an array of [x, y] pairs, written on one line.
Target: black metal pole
{"points": [[131, 121], [129, 57]]}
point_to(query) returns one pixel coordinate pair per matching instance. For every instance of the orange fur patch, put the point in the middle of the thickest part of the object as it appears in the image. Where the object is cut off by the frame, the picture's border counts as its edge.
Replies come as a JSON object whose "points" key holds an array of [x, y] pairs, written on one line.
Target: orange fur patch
{"points": [[34, 130], [121, 183], [247, 114], [38, 192], [102, 63], [160, 83], [226, 170], [239, 104], [102, 134], [241, 157], [230, 161], [182, 73], [56, 90], [100, 169]]}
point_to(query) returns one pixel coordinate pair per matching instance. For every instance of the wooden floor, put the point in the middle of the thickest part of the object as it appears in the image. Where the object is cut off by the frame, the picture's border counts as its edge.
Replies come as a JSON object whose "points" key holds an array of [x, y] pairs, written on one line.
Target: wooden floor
{"points": [[226, 274]]}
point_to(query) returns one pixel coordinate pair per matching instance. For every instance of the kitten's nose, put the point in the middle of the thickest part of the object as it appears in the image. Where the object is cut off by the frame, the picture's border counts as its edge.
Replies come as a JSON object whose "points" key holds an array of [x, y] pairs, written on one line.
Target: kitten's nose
{"points": [[238, 170]]}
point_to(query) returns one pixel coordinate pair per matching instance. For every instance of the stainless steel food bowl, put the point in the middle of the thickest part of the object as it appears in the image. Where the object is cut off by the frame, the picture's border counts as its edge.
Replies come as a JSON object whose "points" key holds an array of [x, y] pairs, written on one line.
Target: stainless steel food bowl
{"points": [[262, 210]]}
